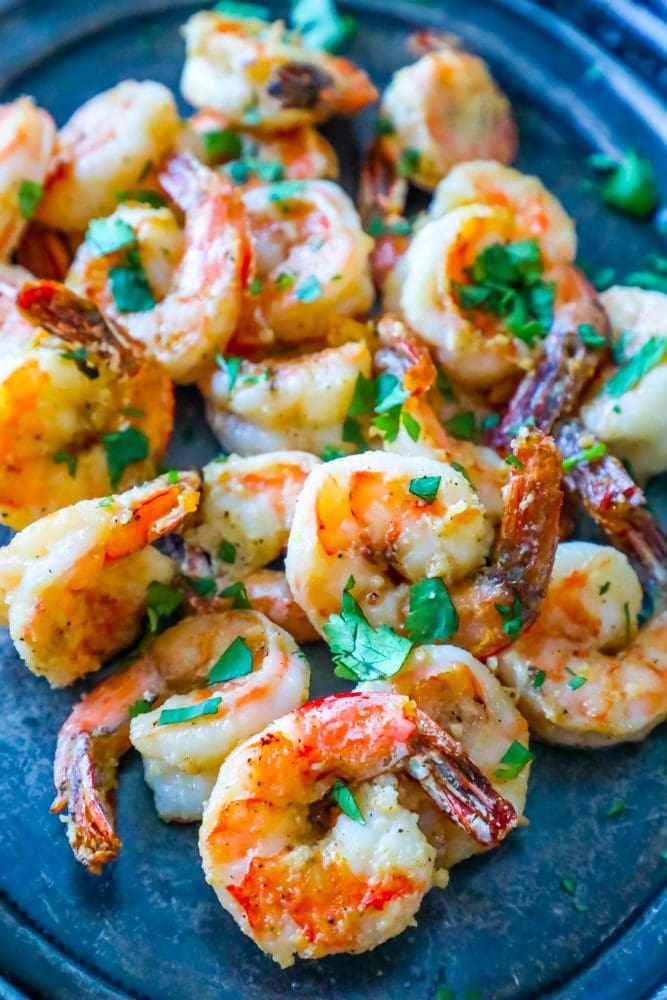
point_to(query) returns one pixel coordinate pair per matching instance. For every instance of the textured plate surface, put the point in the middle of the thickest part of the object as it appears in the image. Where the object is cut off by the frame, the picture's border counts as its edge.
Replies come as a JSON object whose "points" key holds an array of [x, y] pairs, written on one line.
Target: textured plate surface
{"points": [[150, 927]]}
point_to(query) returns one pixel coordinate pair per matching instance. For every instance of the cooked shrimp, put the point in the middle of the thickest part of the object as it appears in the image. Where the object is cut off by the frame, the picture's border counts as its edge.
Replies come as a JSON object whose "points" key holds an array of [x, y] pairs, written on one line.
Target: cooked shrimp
{"points": [[247, 508], [628, 414], [82, 410], [259, 74], [538, 213], [27, 145], [199, 289], [292, 402], [446, 288], [181, 757], [584, 673], [251, 156], [112, 143], [311, 259], [306, 880], [46, 253], [358, 526], [462, 696], [403, 355], [74, 583]]}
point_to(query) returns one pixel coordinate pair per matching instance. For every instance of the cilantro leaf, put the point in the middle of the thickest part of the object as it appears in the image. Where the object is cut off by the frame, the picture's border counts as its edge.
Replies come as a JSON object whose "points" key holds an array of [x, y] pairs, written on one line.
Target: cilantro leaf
{"points": [[586, 455], [432, 616], [222, 142], [515, 759], [321, 26], [361, 652], [408, 162], [346, 801], [108, 235], [122, 448], [631, 187], [71, 461], [231, 366], [642, 361], [139, 707], [227, 552], [512, 617], [239, 595], [462, 426], [144, 197], [589, 336], [170, 715], [309, 289], [130, 287], [162, 602], [236, 661]]}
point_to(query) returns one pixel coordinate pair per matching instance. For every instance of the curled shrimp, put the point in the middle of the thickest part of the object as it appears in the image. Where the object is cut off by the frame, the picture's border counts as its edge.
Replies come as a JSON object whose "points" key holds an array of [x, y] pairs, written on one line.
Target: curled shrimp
{"points": [[181, 758], [630, 418], [250, 156], [474, 344], [287, 402], [306, 880], [246, 509], [112, 143], [585, 675], [259, 74], [403, 355], [358, 518], [74, 583], [462, 696], [74, 389], [311, 260], [198, 279], [27, 145]]}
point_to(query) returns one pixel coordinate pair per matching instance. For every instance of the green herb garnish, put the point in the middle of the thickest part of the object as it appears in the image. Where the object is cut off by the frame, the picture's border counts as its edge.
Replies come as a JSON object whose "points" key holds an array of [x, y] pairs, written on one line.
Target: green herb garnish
{"points": [[586, 455], [426, 487], [170, 715], [122, 448], [130, 287], [139, 707], [239, 595], [631, 187], [29, 197], [227, 552], [408, 162], [237, 8], [162, 602], [346, 801], [231, 366], [589, 336], [321, 25], [515, 759], [538, 679], [236, 661], [70, 460], [309, 289], [432, 616], [512, 618], [642, 361], [515, 462], [462, 426], [105, 236], [152, 198], [615, 809]]}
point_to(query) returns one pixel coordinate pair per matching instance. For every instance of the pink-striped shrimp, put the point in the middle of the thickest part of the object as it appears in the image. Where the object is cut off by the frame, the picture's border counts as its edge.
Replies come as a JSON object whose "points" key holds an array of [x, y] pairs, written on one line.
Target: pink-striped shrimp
{"points": [[75, 582], [251, 671], [198, 279], [304, 878], [27, 146]]}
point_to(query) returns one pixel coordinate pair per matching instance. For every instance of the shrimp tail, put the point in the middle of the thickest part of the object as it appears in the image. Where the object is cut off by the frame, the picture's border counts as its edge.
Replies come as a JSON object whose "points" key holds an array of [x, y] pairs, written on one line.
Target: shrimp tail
{"points": [[382, 193], [421, 43], [300, 85], [457, 786], [609, 494], [404, 355], [554, 387], [89, 798], [78, 321]]}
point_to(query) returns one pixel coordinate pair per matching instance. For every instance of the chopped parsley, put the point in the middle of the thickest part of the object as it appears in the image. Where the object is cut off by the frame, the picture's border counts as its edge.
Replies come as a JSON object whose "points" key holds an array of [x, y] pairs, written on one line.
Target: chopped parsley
{"points": [[591, 454], [130, 287], [515, 759], [648, 280], [222, 142], [615, 809], [321, 25], [29, 197], [170, 715], [139, 707], [122, 448], [162, 602], [489, 421], [205, 586], [426, 487], [230, 366], [569, 885], [236, 661], [384, 396], [105, 502], [589, 336], [284, 281], [604, 588], [152, 198], [380, 227], [642, 361], [346, 801], [238, 8], [576, 681], [255, 286], [462, 471], [512, 618], [70, 460], [330, 453], [515, 462], [408, 162], [631, 186], [227, 552], [443, 385], [132, 411], [309, 290], [239, 595], [462, 426], [385, 126], [628, 621], [105, 236], [432, 616], [506, 280], [266, 170], [361, 652], [539, 678], [283, 190]]}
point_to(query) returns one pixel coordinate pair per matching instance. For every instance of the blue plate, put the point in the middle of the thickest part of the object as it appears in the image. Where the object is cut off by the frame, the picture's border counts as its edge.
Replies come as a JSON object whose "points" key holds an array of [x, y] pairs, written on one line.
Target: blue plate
{"points": [[149, 927]]}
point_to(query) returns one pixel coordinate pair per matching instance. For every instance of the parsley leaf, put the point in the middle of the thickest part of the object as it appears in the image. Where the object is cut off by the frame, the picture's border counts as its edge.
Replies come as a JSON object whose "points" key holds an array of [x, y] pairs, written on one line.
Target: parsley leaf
{"points": [[152, 198], [231, 366], [462, 471], [380, 227], [122, 448], [309, 289], [515, 462], [512, 617], [615, 809], [426, 487], [642, 361], [227, 552], [538, 679], [238, 8], [408, 162], [631, 187], [361, 652], [432, 616], [236, 661], [462, 426], [411, 425], [346, 801], [222, 142], [130, 287], [162, 602], [515, 759], [139, 707], [71, 460], [586, 455], [239, 595], [321, 26], [589, 336], [330, 453], [170, 715], [108, 235], [284, 281], [203, 585], [29, 197]]}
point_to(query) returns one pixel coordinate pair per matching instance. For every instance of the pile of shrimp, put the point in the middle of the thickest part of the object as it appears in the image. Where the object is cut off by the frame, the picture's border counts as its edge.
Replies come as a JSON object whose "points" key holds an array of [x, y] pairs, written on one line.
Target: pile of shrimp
{"points": [[413, 414]]}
